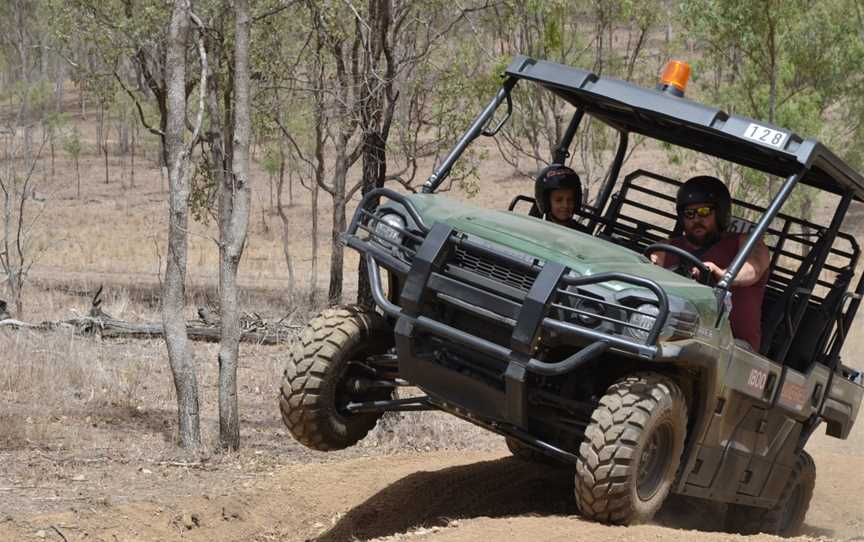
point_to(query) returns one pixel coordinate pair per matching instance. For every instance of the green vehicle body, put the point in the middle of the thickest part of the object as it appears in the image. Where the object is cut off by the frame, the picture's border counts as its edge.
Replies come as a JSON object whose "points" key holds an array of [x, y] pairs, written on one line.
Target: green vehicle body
{"points": [[584, 254], [530, 329]]}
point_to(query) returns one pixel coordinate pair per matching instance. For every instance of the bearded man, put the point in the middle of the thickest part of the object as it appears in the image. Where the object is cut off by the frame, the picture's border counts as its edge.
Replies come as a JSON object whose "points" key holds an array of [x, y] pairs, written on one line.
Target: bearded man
{"points": [[704, 207]]}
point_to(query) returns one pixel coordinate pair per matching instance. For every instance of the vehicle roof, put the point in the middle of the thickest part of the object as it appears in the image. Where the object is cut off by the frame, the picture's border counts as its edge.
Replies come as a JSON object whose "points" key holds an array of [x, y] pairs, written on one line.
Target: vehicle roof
{"points": [[690, 124]]}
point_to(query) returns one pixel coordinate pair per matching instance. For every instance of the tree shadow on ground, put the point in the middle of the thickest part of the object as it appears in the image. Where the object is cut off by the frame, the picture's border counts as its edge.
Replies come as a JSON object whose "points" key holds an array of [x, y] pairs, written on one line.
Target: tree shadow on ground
{"points": [[498, 488]]}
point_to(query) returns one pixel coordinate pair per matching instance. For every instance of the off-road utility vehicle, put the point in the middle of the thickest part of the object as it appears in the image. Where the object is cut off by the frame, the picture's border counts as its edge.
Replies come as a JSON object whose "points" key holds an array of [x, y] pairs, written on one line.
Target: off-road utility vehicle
{"points": [[578, 349]]}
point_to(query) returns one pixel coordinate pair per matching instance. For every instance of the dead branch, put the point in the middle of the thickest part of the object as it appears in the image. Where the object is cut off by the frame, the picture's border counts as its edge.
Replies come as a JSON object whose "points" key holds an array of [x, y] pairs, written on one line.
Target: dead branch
{"points": [[255, 329], [113, 328]]}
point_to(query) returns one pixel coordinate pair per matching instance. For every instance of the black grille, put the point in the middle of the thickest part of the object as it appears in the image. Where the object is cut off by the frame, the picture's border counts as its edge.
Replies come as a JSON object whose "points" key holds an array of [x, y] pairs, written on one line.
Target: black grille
{"points": [[493, 270]]}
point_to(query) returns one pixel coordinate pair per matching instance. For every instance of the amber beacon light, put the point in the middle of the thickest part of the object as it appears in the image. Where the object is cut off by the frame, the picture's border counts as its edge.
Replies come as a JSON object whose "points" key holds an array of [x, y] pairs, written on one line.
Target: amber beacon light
{"points": [[674, 78]]}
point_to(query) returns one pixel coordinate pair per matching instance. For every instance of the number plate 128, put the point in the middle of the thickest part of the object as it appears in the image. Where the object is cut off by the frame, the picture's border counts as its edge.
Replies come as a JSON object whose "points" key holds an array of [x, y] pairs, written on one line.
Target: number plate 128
{"points": [[765, 135]]}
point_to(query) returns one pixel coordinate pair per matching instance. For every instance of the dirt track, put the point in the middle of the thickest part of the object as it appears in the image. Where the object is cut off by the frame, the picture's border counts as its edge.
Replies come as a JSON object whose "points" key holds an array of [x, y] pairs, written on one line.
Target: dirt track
{"points": [[465, 496]]}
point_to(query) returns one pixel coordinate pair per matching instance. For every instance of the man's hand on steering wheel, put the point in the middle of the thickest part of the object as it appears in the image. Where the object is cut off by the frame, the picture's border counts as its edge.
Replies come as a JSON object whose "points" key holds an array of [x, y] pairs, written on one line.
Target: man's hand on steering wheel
{"points": [[705, 273], [717, 272]]}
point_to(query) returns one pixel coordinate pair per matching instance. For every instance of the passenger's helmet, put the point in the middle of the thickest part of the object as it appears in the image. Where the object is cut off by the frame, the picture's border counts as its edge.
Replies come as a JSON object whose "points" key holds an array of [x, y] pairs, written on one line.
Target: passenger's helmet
{"points": [[710, 190], [553, 177]]}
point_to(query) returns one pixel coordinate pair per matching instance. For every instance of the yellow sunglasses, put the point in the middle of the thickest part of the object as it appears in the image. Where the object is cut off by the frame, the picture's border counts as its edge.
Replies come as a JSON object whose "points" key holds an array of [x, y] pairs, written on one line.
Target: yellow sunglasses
{"points": [[703, 211]]}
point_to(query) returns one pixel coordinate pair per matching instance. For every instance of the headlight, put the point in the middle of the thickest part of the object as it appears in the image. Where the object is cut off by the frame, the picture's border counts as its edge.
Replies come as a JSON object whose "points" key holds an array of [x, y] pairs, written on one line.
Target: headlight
{"points": [[643, 319], [586, 310], [387, 229]]}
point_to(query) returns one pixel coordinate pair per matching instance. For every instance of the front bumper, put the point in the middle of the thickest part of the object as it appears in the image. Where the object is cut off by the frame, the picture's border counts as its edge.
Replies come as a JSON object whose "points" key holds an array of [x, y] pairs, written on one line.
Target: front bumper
{"points": [[442, 267]]}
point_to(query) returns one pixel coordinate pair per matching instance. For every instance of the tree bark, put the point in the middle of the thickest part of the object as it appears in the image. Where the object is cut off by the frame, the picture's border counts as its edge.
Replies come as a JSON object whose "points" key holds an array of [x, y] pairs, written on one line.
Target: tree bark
{"points": [[105, 154], [174, 286], [313, 277], [132, 158], [377, 104], [337, 254], [233, 225], [286, 225]]}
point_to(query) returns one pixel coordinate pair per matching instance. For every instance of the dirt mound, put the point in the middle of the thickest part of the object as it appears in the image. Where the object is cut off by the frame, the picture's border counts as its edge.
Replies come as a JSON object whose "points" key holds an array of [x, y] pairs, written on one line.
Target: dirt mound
{"points": [[467, 496]]}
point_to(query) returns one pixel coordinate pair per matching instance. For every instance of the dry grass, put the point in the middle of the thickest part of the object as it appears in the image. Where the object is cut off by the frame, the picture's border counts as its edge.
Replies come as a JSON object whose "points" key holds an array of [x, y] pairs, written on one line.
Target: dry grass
{"points": [[46, 378], [60, 391]]}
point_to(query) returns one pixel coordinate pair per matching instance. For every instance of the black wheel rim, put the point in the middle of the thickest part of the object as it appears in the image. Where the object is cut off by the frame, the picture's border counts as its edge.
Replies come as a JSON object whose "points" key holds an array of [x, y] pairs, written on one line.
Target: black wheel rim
{"points": [[653, 462]]}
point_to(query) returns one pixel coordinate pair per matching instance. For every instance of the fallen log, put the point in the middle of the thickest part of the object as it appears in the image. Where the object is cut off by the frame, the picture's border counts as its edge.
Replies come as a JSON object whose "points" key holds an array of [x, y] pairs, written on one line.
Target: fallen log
{"points": [[255, 329], [113, 328]]}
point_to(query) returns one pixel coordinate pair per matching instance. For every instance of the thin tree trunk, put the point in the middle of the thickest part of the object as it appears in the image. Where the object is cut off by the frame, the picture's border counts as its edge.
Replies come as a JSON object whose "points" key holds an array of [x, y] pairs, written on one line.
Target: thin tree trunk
{"points": [[234, 222], [286, 227], [313, 277], [374, 173], [270, 182], [60, 78], [52, 147], [132, 158], [282, 177], [105, 153], [174, 286], [100, 125], [337, 253]]}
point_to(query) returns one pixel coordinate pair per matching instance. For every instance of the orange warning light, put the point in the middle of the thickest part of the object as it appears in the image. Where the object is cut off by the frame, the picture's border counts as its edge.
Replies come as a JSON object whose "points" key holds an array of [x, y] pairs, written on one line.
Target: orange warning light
{"points": [[676, 74]]}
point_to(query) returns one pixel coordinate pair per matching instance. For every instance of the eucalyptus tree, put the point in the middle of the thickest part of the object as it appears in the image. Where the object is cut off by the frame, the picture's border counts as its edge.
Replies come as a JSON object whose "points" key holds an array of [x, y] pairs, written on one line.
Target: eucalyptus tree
{"points": [[234, 204], [178, 155], [27, 125], [607, 37], [792, 63], [354, 73]]}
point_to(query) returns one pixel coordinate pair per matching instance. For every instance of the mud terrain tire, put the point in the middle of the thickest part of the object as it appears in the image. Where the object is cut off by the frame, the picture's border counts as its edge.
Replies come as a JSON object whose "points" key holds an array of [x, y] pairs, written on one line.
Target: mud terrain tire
{"points": [[787, 516], [631, 451], [526, 453], [314, 389]]}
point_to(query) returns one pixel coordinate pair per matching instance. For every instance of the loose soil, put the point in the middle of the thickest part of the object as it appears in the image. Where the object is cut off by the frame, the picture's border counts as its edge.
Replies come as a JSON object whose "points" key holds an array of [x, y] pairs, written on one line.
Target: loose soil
{"points": [[107, 469], [443, 495]]}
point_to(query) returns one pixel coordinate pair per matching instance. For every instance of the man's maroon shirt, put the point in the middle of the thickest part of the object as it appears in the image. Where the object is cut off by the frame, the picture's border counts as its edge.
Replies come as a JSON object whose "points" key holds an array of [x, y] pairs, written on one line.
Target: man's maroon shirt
{"points": [[746, 316]]}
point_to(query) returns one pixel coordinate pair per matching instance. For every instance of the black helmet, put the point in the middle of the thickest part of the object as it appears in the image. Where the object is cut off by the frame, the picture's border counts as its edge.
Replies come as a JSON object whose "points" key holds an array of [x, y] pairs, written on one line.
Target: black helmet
{"points": [[553, 177], [706, 189]]}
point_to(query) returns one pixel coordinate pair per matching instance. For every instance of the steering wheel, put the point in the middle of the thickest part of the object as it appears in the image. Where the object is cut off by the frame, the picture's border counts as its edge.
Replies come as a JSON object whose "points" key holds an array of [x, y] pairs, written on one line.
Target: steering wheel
{"points": [[704, 276]]}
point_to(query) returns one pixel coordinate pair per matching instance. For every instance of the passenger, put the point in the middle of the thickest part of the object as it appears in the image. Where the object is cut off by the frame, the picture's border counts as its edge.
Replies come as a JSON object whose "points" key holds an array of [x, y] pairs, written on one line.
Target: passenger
{"points": [[704, 207], [558, 194]]}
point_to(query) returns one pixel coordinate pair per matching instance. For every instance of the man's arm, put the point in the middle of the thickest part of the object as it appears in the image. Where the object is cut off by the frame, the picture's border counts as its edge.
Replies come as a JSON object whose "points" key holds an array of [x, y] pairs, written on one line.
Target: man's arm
{"points": [[752, 270]]}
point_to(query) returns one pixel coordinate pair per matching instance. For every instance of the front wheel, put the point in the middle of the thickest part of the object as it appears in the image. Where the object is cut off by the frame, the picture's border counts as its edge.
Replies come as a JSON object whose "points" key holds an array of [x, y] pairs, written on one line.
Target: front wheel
{"points": [[319, 378], [787, 516], [632, 447]]}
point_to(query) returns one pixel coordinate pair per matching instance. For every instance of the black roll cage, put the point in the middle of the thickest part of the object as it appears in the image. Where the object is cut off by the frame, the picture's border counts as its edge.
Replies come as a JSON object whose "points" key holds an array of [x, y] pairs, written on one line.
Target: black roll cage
{"points": [[626, 107]]}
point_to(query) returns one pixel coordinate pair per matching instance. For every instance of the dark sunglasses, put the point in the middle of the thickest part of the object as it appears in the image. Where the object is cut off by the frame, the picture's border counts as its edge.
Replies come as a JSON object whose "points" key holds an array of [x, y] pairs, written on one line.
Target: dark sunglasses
{"points": [[703, 211]]}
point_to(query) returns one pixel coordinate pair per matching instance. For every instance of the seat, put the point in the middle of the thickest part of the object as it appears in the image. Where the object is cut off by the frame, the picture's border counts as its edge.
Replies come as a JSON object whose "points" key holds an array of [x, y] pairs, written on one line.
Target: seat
{"points": [[816, 325]]}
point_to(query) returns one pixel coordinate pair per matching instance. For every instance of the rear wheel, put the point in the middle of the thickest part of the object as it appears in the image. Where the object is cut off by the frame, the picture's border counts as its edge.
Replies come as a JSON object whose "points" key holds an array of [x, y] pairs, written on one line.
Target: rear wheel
{"points": [[321, 375], [631, 451], [787, 516]]}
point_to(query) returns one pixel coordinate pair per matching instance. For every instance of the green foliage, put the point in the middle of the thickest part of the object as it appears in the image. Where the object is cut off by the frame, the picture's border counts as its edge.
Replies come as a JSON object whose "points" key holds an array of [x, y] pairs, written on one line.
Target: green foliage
{"points": [[271, 161], [791, 63], [72, 143]]}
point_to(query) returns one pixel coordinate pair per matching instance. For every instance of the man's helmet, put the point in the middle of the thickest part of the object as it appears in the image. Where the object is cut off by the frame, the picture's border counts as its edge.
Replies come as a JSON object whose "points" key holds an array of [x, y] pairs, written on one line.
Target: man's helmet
{"points": [[710, 190], [553, 177]]}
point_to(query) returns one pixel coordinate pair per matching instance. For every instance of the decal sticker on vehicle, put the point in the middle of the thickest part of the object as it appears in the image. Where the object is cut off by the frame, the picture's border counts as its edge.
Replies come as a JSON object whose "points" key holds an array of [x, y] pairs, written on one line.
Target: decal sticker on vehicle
{"points": [[793, 395], [757, 379], [740, 225], [704, 332], [765, 135]]}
